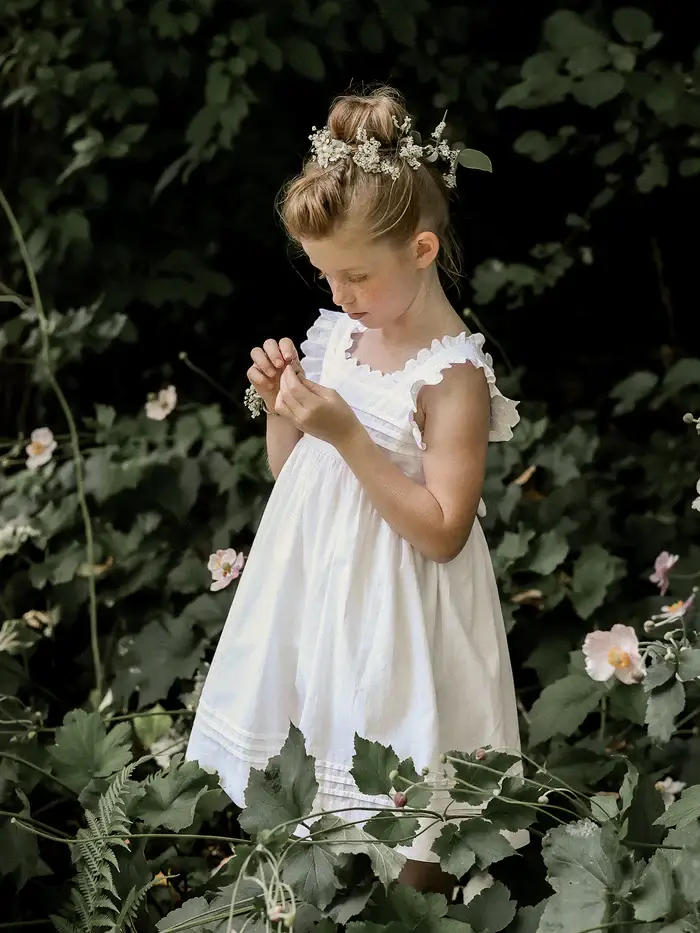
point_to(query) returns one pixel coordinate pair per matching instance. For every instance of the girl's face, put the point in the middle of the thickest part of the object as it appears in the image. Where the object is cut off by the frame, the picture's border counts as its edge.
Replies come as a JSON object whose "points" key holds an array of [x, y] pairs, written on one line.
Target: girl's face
{"points": [[374, 282]]}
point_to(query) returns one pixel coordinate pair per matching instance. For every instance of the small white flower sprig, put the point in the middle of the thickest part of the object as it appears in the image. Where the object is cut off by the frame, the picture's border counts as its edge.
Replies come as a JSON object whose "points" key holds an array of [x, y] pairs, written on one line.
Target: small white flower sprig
{"points": [[368, 156]]}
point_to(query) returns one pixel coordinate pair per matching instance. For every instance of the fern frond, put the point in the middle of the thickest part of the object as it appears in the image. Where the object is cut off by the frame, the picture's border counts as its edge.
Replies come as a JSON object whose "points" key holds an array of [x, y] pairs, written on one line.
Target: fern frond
{"points": [[94, 899], [63, 925], [130, 907]]}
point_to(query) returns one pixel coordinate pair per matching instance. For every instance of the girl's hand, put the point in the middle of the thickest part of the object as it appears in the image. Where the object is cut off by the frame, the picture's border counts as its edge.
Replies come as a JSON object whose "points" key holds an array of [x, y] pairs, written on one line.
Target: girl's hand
{"points": [[315, 410], [269, 362]]}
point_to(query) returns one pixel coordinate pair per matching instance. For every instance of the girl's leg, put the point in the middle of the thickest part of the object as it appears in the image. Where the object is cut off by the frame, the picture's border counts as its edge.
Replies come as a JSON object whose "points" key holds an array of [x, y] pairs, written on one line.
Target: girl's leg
{"points": [[427, 876]]}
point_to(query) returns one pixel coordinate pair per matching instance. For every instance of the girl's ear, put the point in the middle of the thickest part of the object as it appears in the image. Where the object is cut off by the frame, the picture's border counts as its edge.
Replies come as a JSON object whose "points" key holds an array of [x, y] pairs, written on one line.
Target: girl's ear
{"points": [[426, 247]]}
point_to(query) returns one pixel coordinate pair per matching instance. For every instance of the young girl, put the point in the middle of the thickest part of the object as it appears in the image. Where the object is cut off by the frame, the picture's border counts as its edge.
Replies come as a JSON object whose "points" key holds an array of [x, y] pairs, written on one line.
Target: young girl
{"points": [[368, 603]]}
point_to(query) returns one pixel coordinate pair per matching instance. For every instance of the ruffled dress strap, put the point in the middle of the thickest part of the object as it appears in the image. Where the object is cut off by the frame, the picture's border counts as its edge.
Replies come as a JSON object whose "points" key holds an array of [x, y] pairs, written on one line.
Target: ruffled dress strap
{"points": [[427, 369], [313, 349]]}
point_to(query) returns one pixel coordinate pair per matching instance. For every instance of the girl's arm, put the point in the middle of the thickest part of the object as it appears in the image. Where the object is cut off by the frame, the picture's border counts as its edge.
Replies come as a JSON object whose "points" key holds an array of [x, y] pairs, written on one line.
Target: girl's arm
{"points": [[281, 437], [436, 518]]}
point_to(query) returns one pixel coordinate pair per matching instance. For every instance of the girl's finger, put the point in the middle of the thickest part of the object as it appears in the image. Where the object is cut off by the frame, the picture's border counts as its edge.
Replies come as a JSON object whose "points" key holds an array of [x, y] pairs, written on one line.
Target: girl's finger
{"points": [[288, 350], [262, 361], [259, 380], [274, 354]]}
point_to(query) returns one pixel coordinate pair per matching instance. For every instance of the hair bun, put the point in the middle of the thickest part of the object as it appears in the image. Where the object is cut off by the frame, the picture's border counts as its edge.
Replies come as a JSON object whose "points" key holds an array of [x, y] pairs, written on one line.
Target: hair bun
{"points": [[374, 111]]}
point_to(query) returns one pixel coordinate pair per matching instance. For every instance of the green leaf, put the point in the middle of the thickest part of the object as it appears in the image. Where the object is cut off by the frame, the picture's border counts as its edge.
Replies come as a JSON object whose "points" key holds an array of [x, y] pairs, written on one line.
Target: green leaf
{"points": [[171, 798], [528, 919], [689, 167], [506, 814], [372, 764], [491, 910], [628, 702], [658, 674], [19, 854], [84, 749], [304, 57], [598, 88], [190, 910], [473, 841], [473, 158], [654, 174], [392, 829], [633, 24], [594, 571], [549, 552], [681, 376], [153, 725], [604, 807], [652, 898], [662, 708], [567, 32], [479, 778], [640, 805], [684, 811], [419, 796], [632, 390], [309, 869], [581, 860], [402, 908], [350, 904], [353, 840], [562, 707], [284, 791], [689, 664]]}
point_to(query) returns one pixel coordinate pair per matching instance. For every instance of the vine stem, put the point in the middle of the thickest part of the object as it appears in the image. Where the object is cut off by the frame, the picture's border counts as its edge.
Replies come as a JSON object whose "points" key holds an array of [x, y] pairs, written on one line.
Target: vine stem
{"points": [[73, 432], [13, 924], [30, 764]]}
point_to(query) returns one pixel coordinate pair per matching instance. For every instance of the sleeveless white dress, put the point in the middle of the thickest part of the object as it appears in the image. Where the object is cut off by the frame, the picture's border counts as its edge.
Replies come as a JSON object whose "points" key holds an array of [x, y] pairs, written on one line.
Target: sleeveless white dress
{"points": [[341, 626]]}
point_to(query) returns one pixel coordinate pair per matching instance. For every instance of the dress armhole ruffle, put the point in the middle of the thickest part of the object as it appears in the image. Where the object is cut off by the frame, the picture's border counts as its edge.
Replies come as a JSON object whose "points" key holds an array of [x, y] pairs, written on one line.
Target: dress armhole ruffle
{"points": [[463, 349], [313, 349]]}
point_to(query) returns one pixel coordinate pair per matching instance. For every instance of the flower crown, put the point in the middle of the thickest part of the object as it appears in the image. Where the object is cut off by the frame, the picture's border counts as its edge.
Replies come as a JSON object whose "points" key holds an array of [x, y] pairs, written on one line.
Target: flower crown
{"points": [[367, 155]]}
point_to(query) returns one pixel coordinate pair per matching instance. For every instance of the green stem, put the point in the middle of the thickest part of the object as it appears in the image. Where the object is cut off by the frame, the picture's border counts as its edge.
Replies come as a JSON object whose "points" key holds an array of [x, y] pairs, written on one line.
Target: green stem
{"points": [[200, 372], [650, 845], [13, 924], [687, 718], [73, 431], [165, 712], [603, 717], [71, 842], [30, 764], [33, 822]]}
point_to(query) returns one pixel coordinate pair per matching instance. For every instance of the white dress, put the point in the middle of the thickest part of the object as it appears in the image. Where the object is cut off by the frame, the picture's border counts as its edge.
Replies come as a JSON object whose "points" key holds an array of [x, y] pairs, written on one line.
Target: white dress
{"points": [[341, 626]]}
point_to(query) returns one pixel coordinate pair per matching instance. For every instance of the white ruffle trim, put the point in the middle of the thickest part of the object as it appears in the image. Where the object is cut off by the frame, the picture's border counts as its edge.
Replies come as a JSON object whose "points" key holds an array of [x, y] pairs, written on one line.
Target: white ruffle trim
{"points": [[446, 353], [313, 349]]}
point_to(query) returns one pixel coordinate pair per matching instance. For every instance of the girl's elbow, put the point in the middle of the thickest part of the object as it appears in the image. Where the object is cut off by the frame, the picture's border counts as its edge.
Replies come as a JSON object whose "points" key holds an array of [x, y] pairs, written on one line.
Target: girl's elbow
{"points": [[451, 545]]}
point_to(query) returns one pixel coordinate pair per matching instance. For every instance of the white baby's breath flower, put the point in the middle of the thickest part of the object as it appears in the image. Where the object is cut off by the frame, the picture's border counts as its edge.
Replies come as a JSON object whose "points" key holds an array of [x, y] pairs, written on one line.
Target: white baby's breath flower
{"points": [[614, 653], [158, 407], [40, 449], [696, 502], [669, 790], [225, 566]]}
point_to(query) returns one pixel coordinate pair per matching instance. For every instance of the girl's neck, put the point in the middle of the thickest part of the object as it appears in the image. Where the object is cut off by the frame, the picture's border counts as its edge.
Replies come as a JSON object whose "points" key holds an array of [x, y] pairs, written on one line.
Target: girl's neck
{"points": [[429, 314]]}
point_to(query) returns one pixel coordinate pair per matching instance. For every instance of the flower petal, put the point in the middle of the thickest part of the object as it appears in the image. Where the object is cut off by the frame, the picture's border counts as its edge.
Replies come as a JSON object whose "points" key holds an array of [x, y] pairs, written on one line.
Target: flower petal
{"points": [[596, 648]]}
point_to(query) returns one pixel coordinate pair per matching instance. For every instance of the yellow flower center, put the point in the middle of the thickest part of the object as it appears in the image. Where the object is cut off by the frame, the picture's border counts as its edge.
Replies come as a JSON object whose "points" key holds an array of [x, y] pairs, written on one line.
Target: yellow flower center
{"points": [[674, 607], [35, 448], [619, 659], [226, 568]]}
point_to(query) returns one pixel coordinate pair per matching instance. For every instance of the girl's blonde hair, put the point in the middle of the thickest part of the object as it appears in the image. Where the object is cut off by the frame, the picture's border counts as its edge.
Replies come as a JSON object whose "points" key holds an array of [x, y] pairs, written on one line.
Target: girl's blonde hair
{"points": [[319, 200]]}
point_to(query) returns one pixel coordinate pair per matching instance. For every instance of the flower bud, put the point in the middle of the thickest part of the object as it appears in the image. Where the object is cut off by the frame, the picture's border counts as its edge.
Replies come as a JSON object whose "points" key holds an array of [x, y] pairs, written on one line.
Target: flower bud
{"points": [[480, 754], [639, 675], [669, 656], [688, 418], [443, 759], [425, 771], [543, 799], [400, 800], [649, 626]]}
